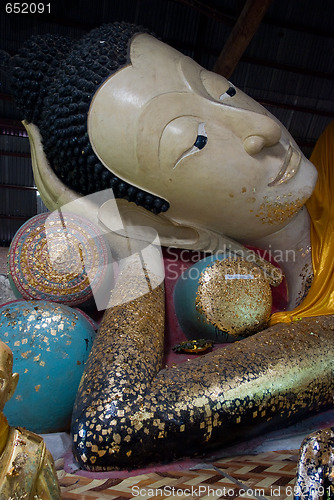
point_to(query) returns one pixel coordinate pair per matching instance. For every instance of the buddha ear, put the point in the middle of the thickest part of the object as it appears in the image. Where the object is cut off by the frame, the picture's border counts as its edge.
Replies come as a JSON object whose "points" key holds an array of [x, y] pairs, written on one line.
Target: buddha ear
{"points": [[12, 385], [53, 192]]}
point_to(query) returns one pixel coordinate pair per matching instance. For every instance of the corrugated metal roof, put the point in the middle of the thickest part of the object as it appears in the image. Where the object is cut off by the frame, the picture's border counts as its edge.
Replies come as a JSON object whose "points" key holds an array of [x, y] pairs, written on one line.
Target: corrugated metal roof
{"points": [[26, 207], [16, 171]]}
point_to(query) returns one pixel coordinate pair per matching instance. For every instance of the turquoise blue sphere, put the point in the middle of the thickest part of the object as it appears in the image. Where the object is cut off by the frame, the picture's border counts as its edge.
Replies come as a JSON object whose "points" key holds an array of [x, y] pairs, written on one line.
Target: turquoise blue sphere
{"points": [[222, 298], [192, 322], [50, 344]]}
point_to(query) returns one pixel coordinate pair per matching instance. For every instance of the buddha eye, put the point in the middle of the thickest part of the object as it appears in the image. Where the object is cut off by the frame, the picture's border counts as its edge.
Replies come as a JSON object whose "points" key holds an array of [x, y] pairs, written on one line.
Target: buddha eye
{"points": [[218, 87], [230, 92], [201, 141], [201, 138]]}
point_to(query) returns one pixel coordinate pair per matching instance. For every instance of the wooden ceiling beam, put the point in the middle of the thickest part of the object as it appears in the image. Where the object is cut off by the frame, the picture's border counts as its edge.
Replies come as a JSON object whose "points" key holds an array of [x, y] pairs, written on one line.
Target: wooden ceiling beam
{"points": [[241, 35], [14, 186]]}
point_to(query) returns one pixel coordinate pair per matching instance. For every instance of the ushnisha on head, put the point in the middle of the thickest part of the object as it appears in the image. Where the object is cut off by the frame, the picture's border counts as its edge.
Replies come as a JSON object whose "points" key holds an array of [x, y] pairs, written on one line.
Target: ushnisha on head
{"points": [[8, 380], [122, 109]]}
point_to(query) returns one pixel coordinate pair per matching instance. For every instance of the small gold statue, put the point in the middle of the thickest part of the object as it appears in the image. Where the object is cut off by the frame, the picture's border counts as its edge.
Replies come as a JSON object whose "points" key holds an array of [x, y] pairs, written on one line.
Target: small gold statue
{"points": [[26, 467], [315, 469]]}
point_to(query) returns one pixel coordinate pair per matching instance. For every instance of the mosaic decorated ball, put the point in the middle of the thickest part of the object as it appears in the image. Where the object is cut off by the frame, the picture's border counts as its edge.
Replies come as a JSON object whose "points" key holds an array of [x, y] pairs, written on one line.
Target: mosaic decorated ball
{"points": [[60, 257], [222, 299], [50, 344]]}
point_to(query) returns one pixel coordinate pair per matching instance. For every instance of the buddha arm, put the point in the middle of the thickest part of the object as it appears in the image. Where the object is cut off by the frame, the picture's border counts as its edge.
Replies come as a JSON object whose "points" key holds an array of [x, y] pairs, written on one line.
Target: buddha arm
{"points": [[127, 411], [125, 358]]}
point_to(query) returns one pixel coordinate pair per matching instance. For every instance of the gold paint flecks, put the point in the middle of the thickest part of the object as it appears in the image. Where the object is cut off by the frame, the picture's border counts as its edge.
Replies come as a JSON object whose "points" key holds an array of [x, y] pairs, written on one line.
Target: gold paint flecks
{"points": [[280, 210], [234, 296], [271, 376], [53, 257], [129, 343]]}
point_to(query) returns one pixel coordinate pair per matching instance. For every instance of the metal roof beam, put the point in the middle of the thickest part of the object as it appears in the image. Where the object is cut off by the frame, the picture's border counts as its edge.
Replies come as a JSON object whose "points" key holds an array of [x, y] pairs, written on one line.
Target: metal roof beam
{"points": [[17, 155], [295, 107], [14, 217], [15, 126]]}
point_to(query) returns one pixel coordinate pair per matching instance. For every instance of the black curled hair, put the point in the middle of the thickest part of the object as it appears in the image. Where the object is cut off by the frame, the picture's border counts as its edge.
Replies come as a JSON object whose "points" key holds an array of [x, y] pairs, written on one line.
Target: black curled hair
{"points": [[54, 80]]}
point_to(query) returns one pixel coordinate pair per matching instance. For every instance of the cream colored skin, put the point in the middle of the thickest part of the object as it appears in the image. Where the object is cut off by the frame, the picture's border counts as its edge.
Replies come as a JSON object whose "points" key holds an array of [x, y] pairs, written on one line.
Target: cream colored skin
{"points": [[247, 185], [143, 123]]}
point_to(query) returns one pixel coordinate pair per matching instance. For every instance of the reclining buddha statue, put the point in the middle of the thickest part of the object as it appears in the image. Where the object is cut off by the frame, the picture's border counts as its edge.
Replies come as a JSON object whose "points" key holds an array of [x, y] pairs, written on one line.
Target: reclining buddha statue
{"points": [[192, 157]]}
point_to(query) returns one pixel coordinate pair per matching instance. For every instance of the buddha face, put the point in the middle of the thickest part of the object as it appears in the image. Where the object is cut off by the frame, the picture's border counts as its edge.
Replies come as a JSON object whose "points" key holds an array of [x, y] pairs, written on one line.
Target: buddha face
{"points": [[174, 129]]}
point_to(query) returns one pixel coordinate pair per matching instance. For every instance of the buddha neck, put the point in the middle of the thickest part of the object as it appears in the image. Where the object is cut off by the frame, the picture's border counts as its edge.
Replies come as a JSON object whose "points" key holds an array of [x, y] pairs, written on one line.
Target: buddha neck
{"points": [[291, 249]]}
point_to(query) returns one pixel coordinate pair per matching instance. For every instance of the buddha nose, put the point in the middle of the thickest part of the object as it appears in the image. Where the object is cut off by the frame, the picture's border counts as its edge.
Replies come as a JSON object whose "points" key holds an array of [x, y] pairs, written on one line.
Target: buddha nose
{"points": [[267, 134]]}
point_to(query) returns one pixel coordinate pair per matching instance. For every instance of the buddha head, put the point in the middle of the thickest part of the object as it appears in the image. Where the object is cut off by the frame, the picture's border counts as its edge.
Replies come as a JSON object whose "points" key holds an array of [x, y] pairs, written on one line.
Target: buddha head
{"points": [[8, 380], [120, 109]]}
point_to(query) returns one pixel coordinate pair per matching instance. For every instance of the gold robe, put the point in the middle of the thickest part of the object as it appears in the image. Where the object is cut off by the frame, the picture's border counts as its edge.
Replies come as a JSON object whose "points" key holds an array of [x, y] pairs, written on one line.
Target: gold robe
{"points": [[26, 467], [320, 298]]}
